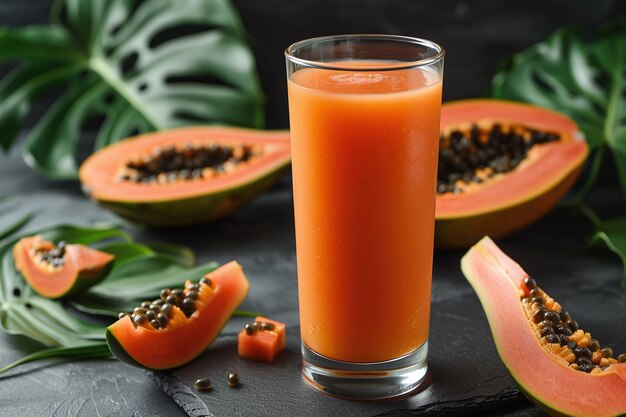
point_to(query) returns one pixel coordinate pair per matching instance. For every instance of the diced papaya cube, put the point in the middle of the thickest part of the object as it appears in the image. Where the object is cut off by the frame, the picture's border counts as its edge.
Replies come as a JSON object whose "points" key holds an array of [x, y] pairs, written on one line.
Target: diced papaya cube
{"points": [[262, 342]]}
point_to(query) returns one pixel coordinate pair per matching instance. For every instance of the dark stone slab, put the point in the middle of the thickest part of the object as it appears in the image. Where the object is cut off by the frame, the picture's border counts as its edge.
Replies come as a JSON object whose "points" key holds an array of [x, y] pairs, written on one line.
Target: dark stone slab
{"points": [[465, 371]]}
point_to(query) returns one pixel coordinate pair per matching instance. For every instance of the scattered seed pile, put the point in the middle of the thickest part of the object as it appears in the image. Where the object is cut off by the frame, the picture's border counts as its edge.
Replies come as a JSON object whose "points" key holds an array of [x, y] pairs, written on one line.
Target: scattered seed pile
{"points": [[255, 326], [186, 162], [158, 312], [475, 154], [205, 384], [53, 258], [561, 335]]}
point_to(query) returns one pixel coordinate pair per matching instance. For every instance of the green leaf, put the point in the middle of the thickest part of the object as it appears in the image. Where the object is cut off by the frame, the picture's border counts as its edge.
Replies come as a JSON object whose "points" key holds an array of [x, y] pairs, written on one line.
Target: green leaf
{"points": [[182, 255], [139, 66], [584, 79], [139, 273], [146, 277], [613, 234], [90, 351], [15, 226]]}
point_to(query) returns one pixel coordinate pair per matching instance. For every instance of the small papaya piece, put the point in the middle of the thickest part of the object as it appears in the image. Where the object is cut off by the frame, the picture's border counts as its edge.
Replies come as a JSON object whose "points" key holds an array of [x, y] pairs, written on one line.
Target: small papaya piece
{"points": [[262, 339]]}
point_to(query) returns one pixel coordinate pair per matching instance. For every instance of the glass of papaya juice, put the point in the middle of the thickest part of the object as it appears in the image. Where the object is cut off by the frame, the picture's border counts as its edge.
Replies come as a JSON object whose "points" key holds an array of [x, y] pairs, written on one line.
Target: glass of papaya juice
{"points": [[364, 118]]}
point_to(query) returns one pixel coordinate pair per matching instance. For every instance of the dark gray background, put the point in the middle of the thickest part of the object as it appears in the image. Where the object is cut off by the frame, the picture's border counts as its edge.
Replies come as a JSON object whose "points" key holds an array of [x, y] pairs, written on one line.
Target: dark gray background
{"points": [[477, 34]]}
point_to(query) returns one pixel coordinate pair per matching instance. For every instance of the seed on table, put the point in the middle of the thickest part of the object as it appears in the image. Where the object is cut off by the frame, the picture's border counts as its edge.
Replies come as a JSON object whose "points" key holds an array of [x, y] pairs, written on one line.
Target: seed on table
{"points": [[233, 380], [203, 384]]}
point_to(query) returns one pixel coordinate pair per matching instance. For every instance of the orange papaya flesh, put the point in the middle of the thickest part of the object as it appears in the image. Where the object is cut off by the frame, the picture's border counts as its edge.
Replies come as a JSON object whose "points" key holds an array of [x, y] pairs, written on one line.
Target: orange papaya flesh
{"points": [[185, 176], [181, 337], [550, 374], [261, 342], [57, 271], [498, 204]]}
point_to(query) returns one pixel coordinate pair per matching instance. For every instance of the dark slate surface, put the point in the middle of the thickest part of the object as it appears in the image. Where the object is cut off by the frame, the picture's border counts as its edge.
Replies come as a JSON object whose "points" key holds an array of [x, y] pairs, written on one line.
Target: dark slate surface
{"points": [[465, 372]]}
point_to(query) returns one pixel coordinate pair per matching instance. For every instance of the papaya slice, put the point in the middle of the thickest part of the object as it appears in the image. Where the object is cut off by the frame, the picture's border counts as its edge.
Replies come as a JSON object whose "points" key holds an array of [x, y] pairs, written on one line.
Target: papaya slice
{"points": [[502, 166], [558, 366], [176, 328], [262, 339], [185, 176], [60, 270]]}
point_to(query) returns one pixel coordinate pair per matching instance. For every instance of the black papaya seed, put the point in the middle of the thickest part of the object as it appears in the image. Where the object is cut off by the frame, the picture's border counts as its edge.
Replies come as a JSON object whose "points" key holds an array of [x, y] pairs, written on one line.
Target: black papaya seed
{"points": [[582, 352], [560, 329], [606, 352], [552, 338], [594, 345], [572, 325], [268, 326], [203, 384], [233, 380], [552, 316], [530, 283], [167, 309], [139, 320]]}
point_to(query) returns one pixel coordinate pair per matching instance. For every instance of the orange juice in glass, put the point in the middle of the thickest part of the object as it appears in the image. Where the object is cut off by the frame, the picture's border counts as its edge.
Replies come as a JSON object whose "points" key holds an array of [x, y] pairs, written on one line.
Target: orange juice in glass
{"points": [[364, 119]]}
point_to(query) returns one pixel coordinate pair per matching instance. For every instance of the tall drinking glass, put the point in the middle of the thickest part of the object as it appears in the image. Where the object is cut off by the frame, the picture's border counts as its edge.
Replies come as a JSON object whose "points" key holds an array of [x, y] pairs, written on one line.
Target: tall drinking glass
{"points": [[364, 115]]}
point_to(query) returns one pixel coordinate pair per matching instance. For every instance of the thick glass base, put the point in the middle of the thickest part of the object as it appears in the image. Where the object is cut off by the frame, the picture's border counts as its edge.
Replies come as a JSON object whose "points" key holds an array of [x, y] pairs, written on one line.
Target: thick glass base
{"points": [[365, 381]]}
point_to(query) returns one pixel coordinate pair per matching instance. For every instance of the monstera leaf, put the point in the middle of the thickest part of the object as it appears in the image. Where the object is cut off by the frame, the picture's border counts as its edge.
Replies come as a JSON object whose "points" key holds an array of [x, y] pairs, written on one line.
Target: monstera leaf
{"points": [[584, 79], [127, 66]]}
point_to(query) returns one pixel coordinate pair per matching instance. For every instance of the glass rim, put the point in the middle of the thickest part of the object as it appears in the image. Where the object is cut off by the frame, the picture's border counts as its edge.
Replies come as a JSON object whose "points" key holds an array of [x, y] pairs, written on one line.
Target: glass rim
{"points": [[332, 65]]}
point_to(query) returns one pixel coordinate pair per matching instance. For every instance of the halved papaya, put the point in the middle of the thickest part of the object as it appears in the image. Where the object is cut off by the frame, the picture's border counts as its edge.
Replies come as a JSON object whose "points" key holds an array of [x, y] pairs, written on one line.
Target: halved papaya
{"points": [[502, 165], [558, 366], [56, 271], [174, 329], [185, 176]]}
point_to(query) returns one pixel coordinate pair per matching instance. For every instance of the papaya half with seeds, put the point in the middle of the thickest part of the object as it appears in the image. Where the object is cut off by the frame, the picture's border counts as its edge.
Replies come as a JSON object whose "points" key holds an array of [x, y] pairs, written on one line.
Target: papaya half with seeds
{"points": [[185, 176], [60, 270], [502, 165], [176, 328], [559, 366]]}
